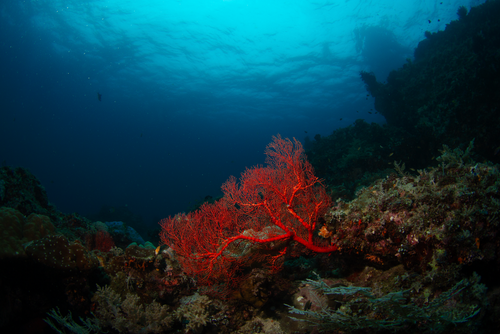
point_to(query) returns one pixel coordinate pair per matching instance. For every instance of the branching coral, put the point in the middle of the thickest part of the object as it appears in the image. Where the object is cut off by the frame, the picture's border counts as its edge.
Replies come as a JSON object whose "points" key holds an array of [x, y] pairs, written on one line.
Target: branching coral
{"points": [[194, 309], [128, 315], [270, 208]]}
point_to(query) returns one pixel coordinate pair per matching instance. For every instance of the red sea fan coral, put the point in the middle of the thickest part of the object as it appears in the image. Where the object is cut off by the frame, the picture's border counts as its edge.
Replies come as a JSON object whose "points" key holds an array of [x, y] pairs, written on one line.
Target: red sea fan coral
{"points": [[270, 208]]}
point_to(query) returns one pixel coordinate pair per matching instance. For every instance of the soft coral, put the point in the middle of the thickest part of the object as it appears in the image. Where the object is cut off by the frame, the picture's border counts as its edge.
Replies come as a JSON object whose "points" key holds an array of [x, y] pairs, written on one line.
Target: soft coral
{"points": [[270, 207]]}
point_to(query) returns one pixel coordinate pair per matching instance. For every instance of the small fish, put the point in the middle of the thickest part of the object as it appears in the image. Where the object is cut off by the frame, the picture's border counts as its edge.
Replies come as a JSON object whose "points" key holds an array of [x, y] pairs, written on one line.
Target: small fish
{"points": [[305, 131], [101, 261], [497, 150], [341, 119], [391, 154], [157, 250], [370, 112], [359, 148], [429, 21], [99, 96]]}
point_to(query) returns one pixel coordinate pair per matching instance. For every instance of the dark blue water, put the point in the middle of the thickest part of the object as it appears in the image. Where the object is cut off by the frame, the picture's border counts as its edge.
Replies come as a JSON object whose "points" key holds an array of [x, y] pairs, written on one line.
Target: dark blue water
{"points": [[191, 91]]}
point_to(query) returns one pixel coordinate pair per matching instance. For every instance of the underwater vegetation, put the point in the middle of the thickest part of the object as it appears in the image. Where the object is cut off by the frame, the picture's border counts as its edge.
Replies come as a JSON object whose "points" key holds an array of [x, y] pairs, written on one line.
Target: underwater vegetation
{"points": [[362, 309], [412, 253], [272, 205]]}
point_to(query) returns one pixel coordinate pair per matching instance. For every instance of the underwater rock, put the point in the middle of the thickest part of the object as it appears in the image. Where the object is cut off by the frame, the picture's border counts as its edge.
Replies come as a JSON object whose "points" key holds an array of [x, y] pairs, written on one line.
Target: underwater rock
{"points": [[440, 217], [123, 234], [37, 226], [16, 230], [21, 190], [11, 233], [58, 253]]}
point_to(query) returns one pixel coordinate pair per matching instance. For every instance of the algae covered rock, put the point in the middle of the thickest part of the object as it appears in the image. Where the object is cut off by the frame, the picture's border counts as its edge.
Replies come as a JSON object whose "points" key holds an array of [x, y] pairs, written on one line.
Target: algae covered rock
{"points": [[57, 252], [37, 226], [11, 233], [16, 230]]}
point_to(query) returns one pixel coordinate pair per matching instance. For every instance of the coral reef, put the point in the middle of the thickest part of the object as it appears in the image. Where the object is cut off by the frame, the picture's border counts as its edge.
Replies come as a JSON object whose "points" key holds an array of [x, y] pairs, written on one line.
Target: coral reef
{"points": [[21, 190], [88, 326], [358, 308], [127, 315], [256, 220], [410, 238], [416, 251], [357, 155], [16, 230], [57, 252], [440, 225], [123, 234], [398, 219], [447, 95]]}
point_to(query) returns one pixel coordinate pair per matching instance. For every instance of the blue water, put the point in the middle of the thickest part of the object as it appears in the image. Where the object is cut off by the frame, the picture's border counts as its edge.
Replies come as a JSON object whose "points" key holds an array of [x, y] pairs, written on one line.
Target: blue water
{"points": [[192, 91]]}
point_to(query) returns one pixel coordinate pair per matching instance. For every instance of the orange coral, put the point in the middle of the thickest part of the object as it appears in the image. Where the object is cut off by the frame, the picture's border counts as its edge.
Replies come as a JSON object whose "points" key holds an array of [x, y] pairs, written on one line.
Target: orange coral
{"points": [[323, 232], [374, 259]]}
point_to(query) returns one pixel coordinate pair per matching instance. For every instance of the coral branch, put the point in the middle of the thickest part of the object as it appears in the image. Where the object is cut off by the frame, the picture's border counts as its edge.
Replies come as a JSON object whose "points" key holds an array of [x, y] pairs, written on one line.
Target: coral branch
{"points": [[270, 208]]}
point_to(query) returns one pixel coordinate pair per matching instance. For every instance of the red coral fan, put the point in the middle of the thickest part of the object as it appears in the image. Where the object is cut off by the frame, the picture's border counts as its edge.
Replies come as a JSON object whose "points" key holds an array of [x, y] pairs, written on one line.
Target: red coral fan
{"points": [[256, 220]]}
